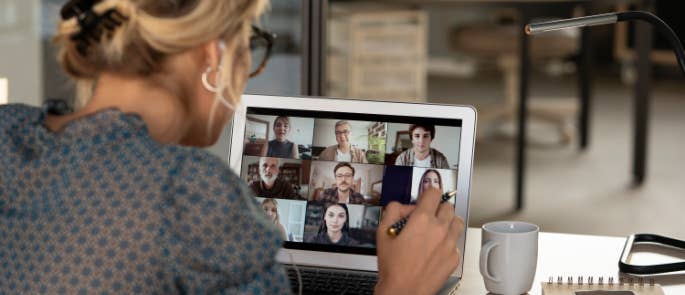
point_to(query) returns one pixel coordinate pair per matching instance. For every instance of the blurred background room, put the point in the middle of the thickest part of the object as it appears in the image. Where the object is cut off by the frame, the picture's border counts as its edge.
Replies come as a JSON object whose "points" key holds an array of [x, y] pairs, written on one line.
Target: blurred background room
{"points": [[605, 114]]}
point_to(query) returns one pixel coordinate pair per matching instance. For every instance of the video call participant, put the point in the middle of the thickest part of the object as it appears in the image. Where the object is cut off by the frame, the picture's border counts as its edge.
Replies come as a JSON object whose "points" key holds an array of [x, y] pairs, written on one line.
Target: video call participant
{"points": [[270, 207], [281, 147], [430, 179], [421, 154], [343, 192], [335, 226], [343, 151], [269, 184]]}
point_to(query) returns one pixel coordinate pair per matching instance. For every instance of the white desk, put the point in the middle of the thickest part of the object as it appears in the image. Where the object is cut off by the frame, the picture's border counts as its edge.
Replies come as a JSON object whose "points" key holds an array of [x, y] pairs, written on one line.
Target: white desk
{"points": [[561, 255]]}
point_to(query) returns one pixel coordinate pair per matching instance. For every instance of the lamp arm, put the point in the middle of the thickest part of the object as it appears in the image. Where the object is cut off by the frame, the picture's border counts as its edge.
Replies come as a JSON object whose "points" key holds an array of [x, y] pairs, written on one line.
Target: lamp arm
{"points": [[663, 28], [609, 18]]}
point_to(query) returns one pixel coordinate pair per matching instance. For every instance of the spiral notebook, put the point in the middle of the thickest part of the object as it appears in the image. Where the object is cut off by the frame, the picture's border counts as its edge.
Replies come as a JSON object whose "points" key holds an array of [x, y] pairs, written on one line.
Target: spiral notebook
{"points": [[599, 286]]}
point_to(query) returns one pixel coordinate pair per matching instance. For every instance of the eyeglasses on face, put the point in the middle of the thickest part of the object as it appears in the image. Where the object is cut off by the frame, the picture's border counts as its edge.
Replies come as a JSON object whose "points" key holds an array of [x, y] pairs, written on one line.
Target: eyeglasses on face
{"points": [[346, 175], [261, 44]]}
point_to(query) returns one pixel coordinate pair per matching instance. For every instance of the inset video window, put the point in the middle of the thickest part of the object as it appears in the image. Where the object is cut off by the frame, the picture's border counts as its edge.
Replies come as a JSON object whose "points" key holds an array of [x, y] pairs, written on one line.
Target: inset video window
{"points": [[278, 136], [339, 224]]}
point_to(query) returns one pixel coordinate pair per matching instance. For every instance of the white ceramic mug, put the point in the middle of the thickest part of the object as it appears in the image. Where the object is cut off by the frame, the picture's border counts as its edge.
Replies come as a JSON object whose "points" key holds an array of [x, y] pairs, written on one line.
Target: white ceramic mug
{"points": [[508, 256]]}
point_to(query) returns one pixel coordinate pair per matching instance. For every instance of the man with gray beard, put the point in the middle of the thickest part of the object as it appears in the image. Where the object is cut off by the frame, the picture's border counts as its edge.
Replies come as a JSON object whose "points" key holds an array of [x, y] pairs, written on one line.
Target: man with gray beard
{"points": [[269, 184]]}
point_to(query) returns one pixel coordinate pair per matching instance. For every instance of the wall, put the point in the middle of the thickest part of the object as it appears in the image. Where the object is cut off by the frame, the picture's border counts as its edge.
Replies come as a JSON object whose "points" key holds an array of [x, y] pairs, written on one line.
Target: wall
{"points": [[20, 50]]}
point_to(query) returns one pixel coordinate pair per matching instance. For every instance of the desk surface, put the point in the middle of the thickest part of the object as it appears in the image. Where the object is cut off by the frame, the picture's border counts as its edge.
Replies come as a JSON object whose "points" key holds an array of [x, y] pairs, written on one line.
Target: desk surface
{"points": [[560, 255]]}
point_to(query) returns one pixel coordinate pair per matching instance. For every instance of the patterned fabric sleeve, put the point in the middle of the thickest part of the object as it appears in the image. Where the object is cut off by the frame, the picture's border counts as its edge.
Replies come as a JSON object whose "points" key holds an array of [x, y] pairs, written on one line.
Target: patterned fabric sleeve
{"points": [[217, 238]]}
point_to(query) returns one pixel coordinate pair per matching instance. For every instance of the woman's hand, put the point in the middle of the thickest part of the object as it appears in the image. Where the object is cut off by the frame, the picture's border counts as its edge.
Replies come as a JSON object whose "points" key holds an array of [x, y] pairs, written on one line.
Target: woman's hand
{"points": [[421, 258]]}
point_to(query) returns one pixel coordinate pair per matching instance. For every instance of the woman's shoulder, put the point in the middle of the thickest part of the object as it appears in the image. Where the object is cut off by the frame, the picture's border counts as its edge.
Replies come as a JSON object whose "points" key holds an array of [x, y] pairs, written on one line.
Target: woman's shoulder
{"points": [[13, 114], [328, 153], [195, 163], [351, 241]]}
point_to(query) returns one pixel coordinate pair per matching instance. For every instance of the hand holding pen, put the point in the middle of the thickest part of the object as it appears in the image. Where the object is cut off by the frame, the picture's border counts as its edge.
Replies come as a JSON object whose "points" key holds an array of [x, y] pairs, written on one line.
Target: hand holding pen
{"points": [[397, 227], [421, 259]]}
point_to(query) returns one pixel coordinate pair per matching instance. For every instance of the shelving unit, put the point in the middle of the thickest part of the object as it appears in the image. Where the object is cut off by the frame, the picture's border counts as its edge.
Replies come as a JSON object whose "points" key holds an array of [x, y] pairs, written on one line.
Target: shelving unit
{"points": [[376, 52], [291, 173], [252, 172]]}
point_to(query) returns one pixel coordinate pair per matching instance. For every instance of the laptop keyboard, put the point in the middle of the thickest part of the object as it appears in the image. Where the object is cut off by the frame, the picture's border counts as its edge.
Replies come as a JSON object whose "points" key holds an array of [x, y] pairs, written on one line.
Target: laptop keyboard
{"points": [[327, 281]]}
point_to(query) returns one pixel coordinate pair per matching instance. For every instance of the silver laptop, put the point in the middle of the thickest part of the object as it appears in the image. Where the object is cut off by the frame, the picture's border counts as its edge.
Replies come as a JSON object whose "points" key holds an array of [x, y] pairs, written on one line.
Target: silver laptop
{"points": [[323, 169]]}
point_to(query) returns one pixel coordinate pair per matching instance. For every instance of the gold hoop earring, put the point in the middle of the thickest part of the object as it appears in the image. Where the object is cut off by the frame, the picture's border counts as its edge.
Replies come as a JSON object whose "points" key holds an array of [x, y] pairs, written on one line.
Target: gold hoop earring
{"points": [[205, 80]]}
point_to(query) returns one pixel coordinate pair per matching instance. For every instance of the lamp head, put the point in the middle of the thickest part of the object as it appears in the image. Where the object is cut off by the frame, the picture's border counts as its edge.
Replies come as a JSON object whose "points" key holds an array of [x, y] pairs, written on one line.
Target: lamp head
{"points": [[593, 20]]}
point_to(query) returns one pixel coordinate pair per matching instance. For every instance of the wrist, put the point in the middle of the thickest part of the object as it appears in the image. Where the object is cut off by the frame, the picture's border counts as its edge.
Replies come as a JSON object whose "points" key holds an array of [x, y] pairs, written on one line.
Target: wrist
{"points": [[385, 288]]}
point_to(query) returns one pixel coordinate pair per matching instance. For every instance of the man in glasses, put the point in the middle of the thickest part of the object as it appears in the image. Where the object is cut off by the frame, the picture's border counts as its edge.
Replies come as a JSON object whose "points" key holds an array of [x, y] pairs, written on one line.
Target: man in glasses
{"points": [[343, 192], [343, 151]]}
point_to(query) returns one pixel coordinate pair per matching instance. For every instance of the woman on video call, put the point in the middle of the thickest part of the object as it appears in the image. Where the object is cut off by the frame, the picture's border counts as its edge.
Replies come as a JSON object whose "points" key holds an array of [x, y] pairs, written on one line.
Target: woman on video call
{"points": [[117, 197], [343, 151], [430, 179], [270, 207], [281, 147], [335, 226]]}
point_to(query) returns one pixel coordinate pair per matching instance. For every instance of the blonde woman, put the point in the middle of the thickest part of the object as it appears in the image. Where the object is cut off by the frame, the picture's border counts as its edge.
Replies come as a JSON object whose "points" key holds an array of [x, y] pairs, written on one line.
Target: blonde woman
{"points": [[343, 151], [270, 207], [112, 198]]}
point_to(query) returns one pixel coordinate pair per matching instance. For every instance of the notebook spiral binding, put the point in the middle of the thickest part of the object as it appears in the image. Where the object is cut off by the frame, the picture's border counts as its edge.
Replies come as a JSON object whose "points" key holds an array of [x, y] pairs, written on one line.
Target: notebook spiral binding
{"points": [[622, 281]]}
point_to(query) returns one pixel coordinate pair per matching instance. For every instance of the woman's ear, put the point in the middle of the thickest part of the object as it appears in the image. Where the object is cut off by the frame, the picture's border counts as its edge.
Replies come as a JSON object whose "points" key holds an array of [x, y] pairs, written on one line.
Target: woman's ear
{"points": [[212, 52]]}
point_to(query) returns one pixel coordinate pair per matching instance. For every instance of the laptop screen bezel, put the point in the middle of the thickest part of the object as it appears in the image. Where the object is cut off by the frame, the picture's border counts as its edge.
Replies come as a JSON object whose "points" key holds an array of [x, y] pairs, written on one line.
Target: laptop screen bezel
{"points": [[330, 256]]}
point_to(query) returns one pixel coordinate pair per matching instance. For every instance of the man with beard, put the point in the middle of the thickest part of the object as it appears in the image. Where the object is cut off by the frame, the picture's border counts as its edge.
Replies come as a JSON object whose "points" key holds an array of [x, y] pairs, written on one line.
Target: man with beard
{"points": [[343, 192], [270, 185]]}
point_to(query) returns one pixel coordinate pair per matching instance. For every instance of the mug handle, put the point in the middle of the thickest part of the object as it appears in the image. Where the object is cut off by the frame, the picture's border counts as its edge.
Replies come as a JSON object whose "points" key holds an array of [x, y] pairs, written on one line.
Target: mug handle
{"points": [[484, 255]]}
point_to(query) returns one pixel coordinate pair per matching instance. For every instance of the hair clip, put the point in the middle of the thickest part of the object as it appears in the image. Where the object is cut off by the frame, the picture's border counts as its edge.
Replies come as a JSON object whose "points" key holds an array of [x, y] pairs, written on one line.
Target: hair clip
{"points": [[56, 106], [90, 22], [75, 8]]}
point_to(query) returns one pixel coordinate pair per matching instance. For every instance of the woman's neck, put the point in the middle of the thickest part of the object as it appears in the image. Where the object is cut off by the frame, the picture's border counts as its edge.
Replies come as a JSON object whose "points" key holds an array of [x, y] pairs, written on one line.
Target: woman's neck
{"points": [[335, 236], [162, 112], [344, 148]]}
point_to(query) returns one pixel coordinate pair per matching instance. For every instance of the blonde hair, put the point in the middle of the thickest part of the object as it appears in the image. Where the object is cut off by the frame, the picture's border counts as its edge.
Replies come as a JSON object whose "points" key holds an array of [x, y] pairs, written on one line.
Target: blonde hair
{"points": [[272, 201], [153, 30], [342, 122]]}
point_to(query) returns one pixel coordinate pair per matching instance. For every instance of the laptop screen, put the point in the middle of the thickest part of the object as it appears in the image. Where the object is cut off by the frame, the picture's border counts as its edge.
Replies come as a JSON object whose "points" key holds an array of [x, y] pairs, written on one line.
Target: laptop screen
{"points": [[323, 177]]}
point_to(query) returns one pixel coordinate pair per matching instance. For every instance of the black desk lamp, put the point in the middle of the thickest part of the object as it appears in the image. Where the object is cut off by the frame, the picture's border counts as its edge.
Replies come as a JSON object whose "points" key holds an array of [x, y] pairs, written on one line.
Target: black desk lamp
{"points": [[610, 18], [614, 17]]}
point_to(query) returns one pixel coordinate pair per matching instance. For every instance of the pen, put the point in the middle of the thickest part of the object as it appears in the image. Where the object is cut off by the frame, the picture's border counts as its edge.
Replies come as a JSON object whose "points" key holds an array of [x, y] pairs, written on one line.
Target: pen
{"points": [[397, 227]]}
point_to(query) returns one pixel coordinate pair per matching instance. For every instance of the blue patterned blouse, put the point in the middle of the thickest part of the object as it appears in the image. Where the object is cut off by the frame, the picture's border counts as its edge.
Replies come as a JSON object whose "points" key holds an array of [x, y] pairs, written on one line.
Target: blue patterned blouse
{"points": [[101, 208]]}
